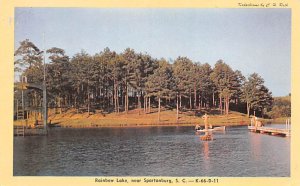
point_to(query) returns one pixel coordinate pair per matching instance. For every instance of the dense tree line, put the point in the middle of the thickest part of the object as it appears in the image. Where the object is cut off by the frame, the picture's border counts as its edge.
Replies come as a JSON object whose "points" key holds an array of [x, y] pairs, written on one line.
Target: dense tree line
{"points": [[281, 107], [129, 80]]}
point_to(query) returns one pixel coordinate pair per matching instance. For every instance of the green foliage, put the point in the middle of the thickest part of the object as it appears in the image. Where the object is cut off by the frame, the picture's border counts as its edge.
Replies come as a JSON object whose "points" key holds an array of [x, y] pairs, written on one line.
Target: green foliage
{"points": [[160, 83], [281, 107], [124, 80], [256, 95], [27, 55], [227, 83]]}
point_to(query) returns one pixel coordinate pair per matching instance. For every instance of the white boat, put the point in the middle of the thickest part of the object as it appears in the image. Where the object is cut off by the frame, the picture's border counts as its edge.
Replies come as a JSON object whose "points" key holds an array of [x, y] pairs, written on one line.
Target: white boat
{"points": [[221, 128]]}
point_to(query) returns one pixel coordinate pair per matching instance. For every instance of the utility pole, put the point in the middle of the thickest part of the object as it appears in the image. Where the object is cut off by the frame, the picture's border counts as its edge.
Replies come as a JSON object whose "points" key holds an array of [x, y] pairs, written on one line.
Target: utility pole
{"points": [[45, 117]]}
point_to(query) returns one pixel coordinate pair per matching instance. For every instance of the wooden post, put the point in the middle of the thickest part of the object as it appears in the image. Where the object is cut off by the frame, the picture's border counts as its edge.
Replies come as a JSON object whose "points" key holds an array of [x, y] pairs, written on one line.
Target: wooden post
{"points": [[23, 131], [45, 117], [17, 109]]}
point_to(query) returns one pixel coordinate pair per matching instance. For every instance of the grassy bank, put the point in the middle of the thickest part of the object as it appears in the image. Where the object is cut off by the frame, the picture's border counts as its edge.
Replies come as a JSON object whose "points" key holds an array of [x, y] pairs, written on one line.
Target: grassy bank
{"points": [[135, 118]]}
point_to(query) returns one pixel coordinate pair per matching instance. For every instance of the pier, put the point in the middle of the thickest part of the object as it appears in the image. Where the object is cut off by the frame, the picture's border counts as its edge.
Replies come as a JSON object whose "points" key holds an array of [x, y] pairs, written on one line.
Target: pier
{"points": [[272, 131], [22, 109]]}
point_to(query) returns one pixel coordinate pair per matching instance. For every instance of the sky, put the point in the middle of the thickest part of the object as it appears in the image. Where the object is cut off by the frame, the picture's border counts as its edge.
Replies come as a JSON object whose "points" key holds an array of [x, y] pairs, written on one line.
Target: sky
{"points": [[249, 40]]}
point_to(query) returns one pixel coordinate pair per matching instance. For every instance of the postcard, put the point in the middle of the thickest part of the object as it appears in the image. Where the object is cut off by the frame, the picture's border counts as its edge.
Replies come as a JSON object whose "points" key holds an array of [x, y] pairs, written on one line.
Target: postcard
{"points": [[149, 92]]}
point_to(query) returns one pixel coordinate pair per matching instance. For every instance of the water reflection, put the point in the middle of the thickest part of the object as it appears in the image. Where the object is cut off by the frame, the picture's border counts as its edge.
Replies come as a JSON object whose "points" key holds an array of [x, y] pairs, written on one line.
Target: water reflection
{"points": [[255, 141], [151, 151], [206, 150]]}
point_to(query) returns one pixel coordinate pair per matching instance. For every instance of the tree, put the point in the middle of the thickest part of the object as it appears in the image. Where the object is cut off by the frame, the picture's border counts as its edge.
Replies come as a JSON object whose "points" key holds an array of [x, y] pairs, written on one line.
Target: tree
{"points": [[57, 76], [265, 100], [183, 78], [80, 67], [150, 65], [237, 86], [130, 59], [160, 82], [225, 79], [281, 107], [204, 84], [120, 81], [29, 60], [28, 54], [255, 94], [102, 76], [117, 68]]}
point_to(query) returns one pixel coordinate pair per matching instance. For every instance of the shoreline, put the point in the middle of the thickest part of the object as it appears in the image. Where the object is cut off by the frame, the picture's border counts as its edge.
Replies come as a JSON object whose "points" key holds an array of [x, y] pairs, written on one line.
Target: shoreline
{"points": [[134, 118], [144, 125]]}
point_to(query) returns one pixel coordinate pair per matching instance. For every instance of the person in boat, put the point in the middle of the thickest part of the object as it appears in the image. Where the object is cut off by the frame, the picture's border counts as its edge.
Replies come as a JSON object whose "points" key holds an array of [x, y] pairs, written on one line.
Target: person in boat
{"points": [[198, 127]]}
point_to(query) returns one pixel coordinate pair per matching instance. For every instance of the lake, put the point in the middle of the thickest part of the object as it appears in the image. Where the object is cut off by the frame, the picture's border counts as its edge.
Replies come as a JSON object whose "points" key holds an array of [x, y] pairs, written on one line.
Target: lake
{"points": [[151, 151]]}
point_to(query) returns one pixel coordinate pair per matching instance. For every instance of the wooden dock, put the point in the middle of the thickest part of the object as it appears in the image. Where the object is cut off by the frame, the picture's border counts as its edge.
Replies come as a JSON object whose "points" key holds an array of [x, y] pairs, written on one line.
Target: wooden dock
{"points": [[19, 131], [23, 131], [270, 131]]}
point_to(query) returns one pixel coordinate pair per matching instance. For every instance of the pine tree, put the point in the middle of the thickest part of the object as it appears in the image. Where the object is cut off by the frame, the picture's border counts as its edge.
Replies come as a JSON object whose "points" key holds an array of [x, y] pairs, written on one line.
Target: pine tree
{"points": [[57, 76], [160, 82], [255, 94]]}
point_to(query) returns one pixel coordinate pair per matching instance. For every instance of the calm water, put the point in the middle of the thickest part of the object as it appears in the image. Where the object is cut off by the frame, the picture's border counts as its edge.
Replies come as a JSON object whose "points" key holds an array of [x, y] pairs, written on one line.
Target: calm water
{"points": [[151, 151]]}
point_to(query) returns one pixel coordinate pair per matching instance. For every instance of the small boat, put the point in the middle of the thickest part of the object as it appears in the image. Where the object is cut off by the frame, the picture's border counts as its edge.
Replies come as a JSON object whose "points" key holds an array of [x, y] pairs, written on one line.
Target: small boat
{"points": [[220, 128], [51, 125]]}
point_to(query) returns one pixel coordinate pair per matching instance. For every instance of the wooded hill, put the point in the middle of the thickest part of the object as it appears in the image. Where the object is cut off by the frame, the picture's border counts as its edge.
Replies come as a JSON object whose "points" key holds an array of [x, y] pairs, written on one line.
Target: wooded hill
{"points": [[114, 82]]}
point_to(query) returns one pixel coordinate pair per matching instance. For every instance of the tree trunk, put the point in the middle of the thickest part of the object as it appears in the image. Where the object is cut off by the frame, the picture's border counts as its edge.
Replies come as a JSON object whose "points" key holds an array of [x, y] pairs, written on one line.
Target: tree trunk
{"points": [[139, 103], [199, 100], [106, 98], [56, 104], [100, 97], [145, 104], [88, 97], [227, 106], [191, 100], [195, 96], [224, 112], [88, 103], [158, 109], [115, 96], [213, 99], [59, 105], [248, 109], [220, 105], [177, 109], [122, 95], [118, 105], [180, 101], [126, 99], [149, 104]]}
